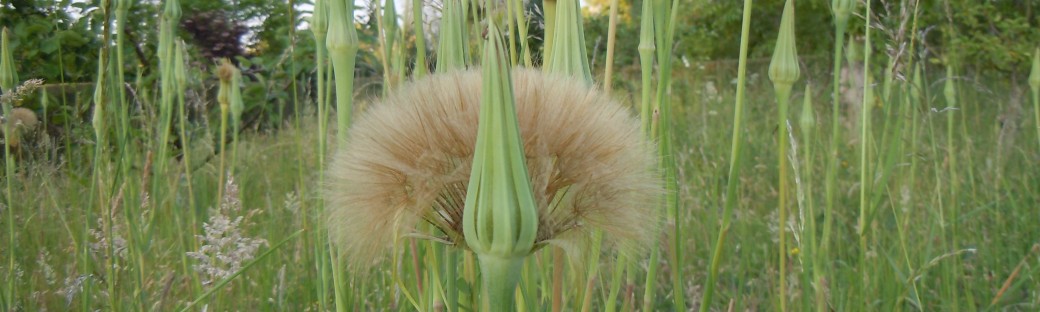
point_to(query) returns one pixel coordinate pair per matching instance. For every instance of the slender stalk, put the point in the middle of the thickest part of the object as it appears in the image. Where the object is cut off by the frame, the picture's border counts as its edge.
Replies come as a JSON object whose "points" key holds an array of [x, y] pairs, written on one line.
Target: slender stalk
{"points": [[735, 160], [646, 64], [608, 76], [8, 81], [865, 181], [783, 99], [841, 10]]}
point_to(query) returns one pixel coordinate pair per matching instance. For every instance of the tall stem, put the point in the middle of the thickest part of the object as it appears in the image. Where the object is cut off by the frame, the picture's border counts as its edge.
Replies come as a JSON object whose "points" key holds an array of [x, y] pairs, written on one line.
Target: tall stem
{"points": [[734, 160]]}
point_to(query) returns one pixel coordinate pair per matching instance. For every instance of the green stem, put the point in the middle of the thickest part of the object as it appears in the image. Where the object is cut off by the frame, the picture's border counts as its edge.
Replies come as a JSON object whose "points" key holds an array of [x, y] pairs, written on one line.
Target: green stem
{"points": [[783, 93], [864, 165], [830, 177], [735, 160], [500, 277]]}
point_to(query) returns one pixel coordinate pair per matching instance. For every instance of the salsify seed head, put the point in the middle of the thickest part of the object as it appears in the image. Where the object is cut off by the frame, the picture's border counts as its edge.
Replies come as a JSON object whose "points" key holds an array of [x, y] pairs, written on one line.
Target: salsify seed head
{"points": [[407, 162]]}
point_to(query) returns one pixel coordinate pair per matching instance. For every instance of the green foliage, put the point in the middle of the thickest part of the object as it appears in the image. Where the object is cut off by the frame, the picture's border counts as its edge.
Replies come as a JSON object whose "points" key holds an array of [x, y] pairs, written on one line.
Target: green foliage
{"points": [[986, 35], [49, 43]]}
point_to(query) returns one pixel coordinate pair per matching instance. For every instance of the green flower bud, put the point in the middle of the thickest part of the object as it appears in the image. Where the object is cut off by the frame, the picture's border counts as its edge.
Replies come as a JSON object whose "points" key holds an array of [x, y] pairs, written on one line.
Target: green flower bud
{"points": [[237, 105], [568, 54], [390, 21], [172, 10], [1034, 75], [451, 46], [225, 72], [500, 218], [841, 10], [320, 20], [853, 52], [783, 69], [8, 75], [98, 118], [342, 43], [808, 119], [179, 72]]}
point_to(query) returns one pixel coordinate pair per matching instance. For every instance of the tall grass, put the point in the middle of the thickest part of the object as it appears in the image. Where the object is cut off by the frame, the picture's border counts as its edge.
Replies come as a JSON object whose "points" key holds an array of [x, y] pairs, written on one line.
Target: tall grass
{"points": [[934, 211]]}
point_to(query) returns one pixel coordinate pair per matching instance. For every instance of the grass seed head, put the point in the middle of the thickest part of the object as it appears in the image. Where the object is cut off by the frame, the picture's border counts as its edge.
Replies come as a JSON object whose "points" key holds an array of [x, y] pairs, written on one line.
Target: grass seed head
{"points": [[409, 158]]}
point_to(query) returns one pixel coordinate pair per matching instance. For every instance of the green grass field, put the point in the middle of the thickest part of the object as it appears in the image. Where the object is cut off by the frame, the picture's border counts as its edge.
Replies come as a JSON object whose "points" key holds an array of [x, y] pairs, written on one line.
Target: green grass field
{"points": [[947, 220]]}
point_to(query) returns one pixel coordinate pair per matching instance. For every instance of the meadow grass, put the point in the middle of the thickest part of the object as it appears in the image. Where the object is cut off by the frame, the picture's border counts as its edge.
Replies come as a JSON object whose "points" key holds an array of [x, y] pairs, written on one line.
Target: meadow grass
{"points": [[932, 207]]}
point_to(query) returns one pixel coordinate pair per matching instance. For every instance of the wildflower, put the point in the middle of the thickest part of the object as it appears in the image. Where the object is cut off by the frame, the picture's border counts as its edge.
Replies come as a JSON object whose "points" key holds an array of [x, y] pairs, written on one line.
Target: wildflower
{"points": [[408, 159]]}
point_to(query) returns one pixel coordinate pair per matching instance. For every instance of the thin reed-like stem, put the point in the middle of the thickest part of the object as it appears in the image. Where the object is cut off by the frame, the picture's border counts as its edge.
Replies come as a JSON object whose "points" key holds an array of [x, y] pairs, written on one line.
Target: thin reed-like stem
{"points": [[734, 162]]}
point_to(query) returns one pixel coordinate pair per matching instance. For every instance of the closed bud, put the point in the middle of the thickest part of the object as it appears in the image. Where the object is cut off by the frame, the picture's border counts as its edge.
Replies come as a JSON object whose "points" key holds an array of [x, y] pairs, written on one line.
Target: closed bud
{"points": [[237, 105], [225, 72], [8, 75], [179, 72], [841, 10], [390, 21], [320, 20], [98, 118], [568, 54], [500, 217], [808, 119], [172, 10], [783, 69], [451, 46]]}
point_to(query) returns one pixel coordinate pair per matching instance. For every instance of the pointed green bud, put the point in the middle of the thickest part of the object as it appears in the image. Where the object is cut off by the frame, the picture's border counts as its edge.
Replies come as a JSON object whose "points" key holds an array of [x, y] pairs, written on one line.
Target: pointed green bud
{"points": [[500, 218], [1034, 75], [237, 105], [98, 118], [808, 118], [225, 72], [853, 52], [8, 75], [568, 55], [451, 46], [390, 21], [172, 10], [320, 20], [841, 10], [783, 69], [180, 73], [949, 89], [342, 43]]}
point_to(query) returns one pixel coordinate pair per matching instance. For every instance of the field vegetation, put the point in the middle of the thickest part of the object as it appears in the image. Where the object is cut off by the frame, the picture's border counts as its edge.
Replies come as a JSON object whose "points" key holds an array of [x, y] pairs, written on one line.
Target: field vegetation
{"points": [[808, 155]]}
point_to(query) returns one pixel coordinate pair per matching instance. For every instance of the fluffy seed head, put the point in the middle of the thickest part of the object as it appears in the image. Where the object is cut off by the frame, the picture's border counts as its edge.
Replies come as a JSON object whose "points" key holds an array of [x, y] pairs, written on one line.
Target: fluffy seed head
{"points": [[21, 121], [408, 160]]}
